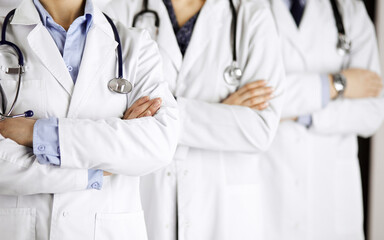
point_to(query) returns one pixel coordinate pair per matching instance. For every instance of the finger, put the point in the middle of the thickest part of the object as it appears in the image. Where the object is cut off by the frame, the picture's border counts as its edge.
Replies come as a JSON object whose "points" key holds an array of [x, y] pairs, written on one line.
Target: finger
{"points": [[375, 88], [261, 106], [251, 85], [155, 106], [152, 109], [257, 100], [374, 81], [373, 75], [374, 93], [377, 84], [141, 101], [256, 92], [138, 102], [139, 110]]}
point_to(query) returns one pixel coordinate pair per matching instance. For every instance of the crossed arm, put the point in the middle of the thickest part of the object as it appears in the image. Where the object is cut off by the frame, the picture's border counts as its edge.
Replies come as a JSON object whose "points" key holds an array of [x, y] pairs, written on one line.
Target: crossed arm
{"points": [[20, 130]]}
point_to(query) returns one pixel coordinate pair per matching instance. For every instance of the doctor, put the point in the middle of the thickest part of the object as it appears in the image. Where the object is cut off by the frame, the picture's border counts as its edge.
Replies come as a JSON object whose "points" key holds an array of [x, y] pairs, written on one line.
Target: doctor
{"points": [[212, 189], [313, 185], [52, 184]]}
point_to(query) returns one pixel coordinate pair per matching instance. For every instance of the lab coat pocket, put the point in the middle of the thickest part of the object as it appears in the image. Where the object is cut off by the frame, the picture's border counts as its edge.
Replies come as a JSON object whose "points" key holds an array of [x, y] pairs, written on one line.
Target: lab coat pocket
{"points": [[116, 226], [17, 223]]}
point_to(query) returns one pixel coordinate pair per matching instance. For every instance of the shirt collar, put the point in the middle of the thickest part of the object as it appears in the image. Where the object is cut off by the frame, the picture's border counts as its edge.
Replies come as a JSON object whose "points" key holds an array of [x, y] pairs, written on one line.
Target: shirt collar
{"points": [[45, 16]]}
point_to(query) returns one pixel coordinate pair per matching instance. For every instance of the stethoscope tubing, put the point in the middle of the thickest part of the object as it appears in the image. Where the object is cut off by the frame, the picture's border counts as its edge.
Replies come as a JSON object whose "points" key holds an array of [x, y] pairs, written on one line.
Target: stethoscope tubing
{"points": [[17, 93], [119, 51], [20, 60]]}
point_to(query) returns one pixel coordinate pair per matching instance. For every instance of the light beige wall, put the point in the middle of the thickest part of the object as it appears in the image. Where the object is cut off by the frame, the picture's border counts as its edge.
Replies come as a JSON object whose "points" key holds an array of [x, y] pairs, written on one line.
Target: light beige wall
{"points": [[376, 220]]}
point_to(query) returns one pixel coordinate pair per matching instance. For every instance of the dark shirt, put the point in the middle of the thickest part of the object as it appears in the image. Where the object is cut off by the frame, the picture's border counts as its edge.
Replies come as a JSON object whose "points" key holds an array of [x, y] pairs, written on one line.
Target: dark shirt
{"points": [[184, 33]]}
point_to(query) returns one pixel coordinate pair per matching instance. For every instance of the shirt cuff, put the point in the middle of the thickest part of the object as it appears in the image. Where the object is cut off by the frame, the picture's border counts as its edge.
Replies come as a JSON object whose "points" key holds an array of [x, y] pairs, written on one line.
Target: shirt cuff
{"points": [[95, 179], [325, 92], [46, 141], [305, 120]]}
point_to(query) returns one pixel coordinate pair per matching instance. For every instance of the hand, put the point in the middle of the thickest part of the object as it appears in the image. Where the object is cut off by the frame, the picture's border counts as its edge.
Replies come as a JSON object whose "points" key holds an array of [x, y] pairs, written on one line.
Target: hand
{"points": [[361, 83], [19, 130], [289, 119], [254, 95], [105, 173], [144, 107]]}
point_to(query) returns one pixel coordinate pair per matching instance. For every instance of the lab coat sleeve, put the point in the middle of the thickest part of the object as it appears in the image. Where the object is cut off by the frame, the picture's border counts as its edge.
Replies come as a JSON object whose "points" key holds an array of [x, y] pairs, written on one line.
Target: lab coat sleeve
{"points": [[128, 147], [221, 127], [355, 116], [21, 174], [304, 96]]}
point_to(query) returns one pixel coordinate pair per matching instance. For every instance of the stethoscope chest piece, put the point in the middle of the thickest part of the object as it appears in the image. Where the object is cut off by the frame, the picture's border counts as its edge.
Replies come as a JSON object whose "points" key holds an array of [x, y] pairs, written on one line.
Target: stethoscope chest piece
{"points": [[233, 74], [120, 85], [343, 45]]}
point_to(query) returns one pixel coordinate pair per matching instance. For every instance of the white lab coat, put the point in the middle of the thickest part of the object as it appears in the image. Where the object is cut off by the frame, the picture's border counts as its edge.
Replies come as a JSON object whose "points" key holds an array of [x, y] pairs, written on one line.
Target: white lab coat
{"points": [[312, 177], [8, 5], [46, 202], [213, 181]]}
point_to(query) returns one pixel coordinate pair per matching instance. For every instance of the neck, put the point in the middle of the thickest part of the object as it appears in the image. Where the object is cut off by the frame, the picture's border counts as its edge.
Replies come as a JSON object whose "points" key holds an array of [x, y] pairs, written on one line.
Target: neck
{"points": [[64, 12]]}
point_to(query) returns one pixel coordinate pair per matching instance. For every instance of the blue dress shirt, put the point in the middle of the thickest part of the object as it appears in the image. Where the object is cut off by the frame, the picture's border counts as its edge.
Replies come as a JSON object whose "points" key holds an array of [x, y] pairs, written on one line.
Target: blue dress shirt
{"points": [[306, 120], [71, 46], [184, 33]]}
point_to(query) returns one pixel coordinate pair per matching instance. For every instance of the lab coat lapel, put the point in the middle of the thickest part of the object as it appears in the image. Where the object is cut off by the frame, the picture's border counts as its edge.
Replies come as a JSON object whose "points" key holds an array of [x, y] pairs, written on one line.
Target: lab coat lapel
{"points": [[208, 24], [42, 44], [46, 50], [287, 26], [100, 43], [311, 16], [166, 38]]}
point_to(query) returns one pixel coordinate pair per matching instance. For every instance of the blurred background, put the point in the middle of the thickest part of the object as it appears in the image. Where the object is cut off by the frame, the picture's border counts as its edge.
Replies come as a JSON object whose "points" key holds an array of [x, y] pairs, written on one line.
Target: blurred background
{"points": [[371, 151], [372, 165]]}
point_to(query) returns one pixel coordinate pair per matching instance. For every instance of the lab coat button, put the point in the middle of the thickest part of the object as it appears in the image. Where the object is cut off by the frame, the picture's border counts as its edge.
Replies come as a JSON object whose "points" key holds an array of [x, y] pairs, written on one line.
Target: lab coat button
{"points": [[186, 172], [65, 214], [168, 174], [95, 185], [41, 148]]}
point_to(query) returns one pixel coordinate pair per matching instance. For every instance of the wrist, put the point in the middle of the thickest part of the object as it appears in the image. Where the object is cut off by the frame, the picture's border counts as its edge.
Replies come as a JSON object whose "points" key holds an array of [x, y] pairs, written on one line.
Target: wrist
{"points": [[339, 83], [29, 136], [332, 89]]}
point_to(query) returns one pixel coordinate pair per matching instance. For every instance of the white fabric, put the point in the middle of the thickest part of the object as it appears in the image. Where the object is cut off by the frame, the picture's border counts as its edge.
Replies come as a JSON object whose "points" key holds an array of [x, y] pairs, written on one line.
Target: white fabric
{"points": [[312, 180], [52, 202], [8, 5], [214, 179]]}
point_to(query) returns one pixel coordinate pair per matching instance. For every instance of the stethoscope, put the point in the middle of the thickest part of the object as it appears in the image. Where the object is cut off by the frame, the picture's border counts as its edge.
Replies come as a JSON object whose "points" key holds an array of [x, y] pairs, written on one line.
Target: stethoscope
{"points": [[117, 85], [344, 44], [232, 73]]}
